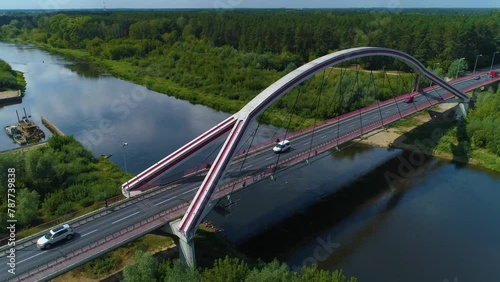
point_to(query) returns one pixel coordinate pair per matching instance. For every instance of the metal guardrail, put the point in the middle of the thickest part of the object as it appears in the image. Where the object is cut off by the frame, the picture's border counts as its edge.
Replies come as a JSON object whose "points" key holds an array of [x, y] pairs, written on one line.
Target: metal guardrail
{"points": [[31, 240], [93, 250]]}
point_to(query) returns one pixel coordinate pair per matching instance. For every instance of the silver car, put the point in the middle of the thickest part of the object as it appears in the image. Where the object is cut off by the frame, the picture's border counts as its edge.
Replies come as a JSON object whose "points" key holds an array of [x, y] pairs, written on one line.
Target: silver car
{"points": [[55, 235], [282, 146]]}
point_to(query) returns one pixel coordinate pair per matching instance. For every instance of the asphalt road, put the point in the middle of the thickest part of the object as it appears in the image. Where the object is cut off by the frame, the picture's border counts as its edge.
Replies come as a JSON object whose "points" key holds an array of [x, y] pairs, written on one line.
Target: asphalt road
{"points": [[30, 257]]}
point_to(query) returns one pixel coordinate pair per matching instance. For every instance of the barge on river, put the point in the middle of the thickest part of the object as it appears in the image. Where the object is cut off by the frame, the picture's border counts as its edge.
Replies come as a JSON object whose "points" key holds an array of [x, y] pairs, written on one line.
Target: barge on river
{"points": [[25, 131]]}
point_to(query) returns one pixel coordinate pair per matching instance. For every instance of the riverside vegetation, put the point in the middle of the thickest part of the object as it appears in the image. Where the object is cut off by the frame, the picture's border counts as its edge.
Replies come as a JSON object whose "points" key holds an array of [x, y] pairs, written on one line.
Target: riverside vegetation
{"points": [[223, 60], [11, 79], [55, 180]]}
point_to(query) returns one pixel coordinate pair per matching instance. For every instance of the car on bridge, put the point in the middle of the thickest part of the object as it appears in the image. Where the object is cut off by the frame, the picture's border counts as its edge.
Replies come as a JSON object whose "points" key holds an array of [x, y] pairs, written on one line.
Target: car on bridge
{"points": [[55, 235], [409, 99], [282, 146]]}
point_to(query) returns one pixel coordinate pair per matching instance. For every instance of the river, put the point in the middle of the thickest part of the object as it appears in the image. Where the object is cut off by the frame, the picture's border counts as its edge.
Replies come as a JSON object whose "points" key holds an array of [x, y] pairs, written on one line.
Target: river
{"points": [[360, 209]]}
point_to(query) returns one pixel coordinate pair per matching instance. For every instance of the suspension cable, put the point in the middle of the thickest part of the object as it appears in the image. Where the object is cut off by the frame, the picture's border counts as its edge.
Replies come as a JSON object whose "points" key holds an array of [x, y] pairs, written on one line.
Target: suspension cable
{"points": [[372, 79], [358, 93], [317, 108], [392, 90]]}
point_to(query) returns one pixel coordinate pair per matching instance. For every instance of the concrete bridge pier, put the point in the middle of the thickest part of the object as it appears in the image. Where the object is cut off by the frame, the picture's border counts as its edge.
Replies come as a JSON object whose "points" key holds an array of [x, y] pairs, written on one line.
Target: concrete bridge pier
{"points": [[461, 109], [186, 245]]}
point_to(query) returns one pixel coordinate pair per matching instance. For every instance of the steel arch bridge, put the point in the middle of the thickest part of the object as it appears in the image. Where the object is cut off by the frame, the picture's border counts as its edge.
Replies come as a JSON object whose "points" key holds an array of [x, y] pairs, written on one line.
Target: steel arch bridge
{"points": [[237, 124]]}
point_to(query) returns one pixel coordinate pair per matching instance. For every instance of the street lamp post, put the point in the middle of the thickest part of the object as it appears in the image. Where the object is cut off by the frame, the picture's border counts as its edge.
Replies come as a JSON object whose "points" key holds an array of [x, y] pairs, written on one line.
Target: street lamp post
{"points": [[125, 162], [458, 67], [493, 60], [475, 64]]}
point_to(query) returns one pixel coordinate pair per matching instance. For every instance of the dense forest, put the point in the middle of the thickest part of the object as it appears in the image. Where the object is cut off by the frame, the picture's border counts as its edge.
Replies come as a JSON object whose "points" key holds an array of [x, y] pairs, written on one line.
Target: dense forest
{"points": [[56, 179], [11, 79], [224, 58]]}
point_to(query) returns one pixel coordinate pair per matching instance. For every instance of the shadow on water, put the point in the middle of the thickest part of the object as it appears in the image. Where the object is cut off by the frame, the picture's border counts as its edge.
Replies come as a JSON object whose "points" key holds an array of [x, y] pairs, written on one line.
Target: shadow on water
{"points": [[285, 238], [87, 70]]}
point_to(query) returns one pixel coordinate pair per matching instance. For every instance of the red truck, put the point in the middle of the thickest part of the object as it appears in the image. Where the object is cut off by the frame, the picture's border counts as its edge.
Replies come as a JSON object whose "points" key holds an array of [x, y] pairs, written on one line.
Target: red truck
{"points": [[493, 73]]}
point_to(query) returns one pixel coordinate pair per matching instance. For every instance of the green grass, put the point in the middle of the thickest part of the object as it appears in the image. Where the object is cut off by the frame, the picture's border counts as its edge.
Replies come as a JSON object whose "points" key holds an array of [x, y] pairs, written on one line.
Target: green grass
{"points": [[447, 146]]}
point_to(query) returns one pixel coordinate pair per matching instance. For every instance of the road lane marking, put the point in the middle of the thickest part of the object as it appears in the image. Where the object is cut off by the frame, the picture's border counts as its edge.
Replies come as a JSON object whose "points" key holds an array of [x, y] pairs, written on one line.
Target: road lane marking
{"points": [[165, 200], [88, 233], [323, 136], [190, 190], [270, 158], [32, 257], [352, 125], [247, 167], [307, 143], [125, 217]]}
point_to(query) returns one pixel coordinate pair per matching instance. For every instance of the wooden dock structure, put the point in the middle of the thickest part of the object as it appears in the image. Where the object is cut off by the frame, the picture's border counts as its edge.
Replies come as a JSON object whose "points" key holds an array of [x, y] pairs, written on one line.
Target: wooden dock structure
{"points": [[10, 96], [52, 127]]}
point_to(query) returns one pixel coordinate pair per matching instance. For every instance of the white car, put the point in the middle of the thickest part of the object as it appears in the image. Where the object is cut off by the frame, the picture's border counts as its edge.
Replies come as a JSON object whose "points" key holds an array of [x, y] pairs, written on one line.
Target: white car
{"points": [[282, 146], [55, 235]]}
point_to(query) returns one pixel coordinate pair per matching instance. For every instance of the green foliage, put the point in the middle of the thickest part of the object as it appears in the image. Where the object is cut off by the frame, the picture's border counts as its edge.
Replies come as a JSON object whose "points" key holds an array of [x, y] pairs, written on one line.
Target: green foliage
{"points": [[101, 266], [28, 203], [457, 68], [145, 268], [173, 271], [483, 122], [224, 60], [312, 273], [62, 177], [226, 270], [269, 272], [10, 79]]}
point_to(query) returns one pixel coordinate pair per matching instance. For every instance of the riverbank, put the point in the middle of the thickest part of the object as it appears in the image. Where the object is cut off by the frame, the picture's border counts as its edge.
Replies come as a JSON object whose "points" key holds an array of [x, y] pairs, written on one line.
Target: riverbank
{"points": [[423, 133]]}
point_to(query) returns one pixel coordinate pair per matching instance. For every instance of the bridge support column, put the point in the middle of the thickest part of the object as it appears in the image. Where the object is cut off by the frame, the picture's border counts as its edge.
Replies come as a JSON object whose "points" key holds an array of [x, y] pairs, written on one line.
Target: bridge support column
{"points": [[185, 245], [461, 109]]}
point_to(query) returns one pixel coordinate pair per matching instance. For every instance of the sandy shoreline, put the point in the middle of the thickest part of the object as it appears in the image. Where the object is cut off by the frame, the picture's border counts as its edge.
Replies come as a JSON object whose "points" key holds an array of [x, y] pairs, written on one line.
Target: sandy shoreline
{"points": [[393, 137]]}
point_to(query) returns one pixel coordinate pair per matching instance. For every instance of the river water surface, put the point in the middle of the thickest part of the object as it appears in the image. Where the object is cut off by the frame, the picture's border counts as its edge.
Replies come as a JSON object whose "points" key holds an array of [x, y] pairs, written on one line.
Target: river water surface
{"points": [[436, 222]]}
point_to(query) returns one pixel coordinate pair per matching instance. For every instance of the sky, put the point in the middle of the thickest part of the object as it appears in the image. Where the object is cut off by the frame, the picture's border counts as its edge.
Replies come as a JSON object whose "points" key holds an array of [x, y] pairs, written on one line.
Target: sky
{"points": [[236, 4]]}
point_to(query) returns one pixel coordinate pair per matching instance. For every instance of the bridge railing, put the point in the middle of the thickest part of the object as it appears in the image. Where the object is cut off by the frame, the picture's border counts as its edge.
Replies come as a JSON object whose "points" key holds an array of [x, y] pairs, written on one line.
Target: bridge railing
{"points": [[288, 162]]}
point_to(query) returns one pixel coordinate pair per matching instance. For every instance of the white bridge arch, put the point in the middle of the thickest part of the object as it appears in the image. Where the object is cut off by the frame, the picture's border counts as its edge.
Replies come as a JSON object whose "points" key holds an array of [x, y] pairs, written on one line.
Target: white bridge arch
{"points": [[237, 124]]}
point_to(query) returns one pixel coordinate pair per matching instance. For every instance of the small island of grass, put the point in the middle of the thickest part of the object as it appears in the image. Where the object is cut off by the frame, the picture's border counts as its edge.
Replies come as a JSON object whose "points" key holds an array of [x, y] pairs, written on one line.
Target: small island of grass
{"points": [[12, 83]]}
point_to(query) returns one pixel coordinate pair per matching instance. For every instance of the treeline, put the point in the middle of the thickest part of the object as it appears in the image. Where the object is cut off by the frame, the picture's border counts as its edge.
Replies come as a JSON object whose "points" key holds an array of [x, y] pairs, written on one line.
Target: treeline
{"points": [[54, 180], [10, 79], [222, 59], [147, 268], [308, 34]]}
